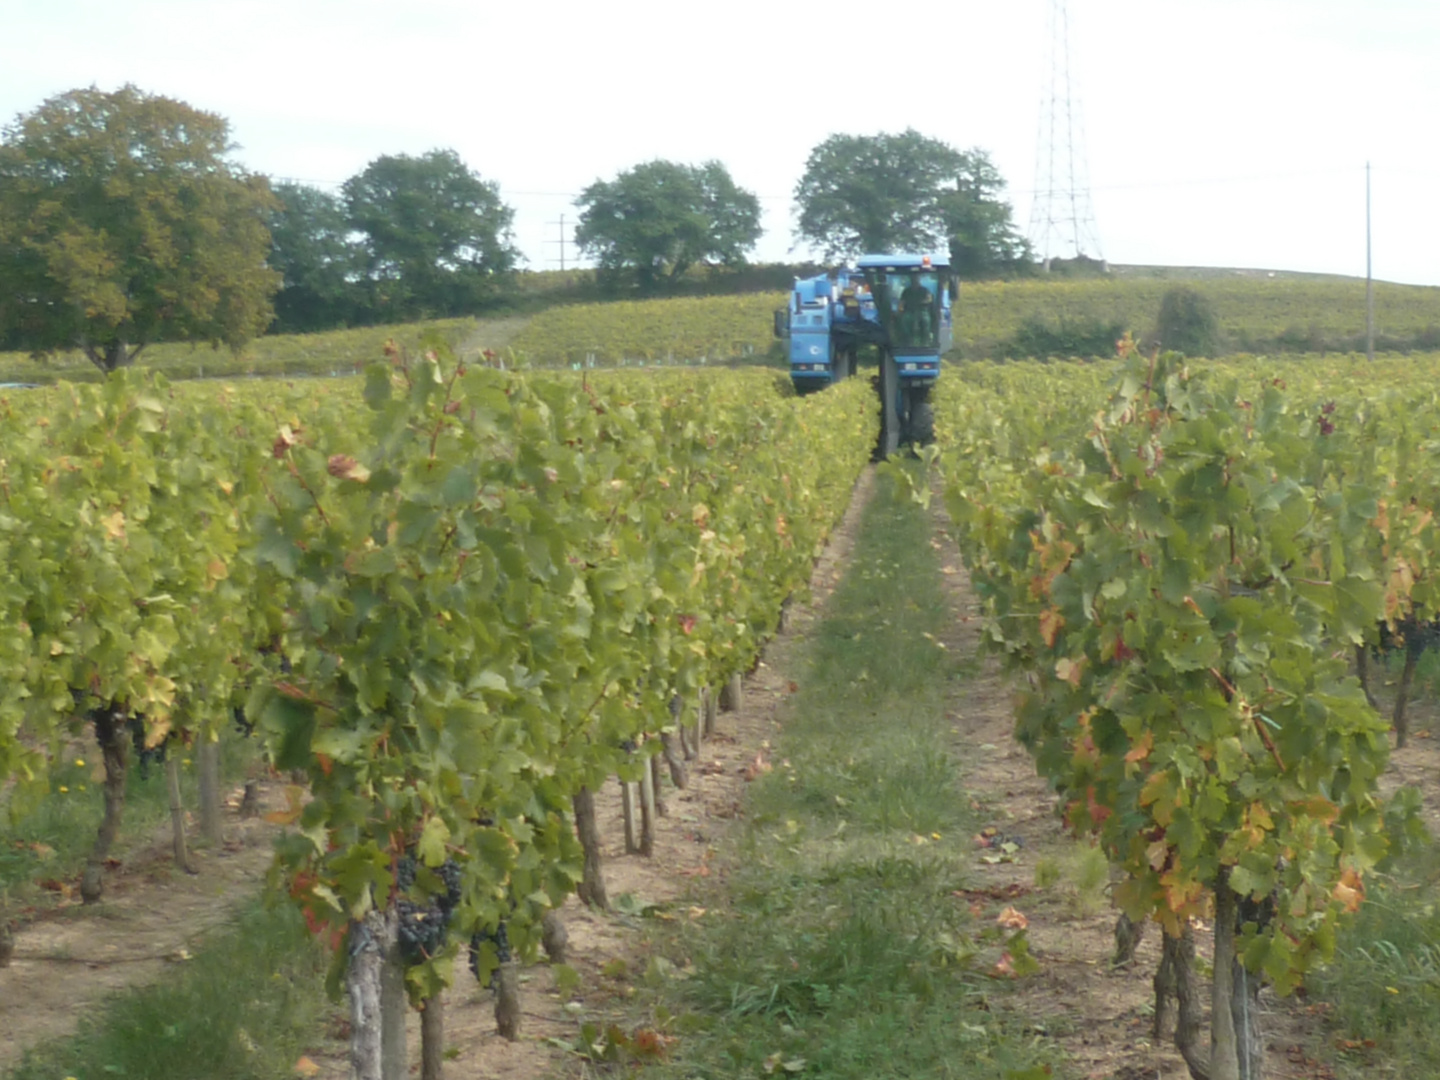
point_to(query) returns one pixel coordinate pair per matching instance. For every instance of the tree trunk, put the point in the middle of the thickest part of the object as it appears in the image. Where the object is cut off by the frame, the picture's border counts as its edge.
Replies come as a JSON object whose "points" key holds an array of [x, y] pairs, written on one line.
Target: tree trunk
{"points": [[554, 937], [657, 777], [675, 759], [1177, 967], [711, 707], [114, 740], [1224, 1046], [394, 1005], [432, 1039], [1127, 939], [207, 765], [627, 808], [1244, 1006], [1402, 695], [732, 694], [592, 883], [647, 809], [507, 1001], [371, 941], [250, 803], [177, 815], [1362, 671]]}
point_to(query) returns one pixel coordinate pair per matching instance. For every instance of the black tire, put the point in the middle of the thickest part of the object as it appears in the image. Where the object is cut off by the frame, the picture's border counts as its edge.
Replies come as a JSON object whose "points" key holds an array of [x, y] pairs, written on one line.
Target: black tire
{"points": [[887, 382], [922, 424]]}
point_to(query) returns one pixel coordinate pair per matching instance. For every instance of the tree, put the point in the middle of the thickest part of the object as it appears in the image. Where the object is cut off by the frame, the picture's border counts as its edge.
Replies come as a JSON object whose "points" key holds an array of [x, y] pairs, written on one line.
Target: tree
{"points": [[906, 192], [978, 222], [1187, 323], [122, 221], [661, 218], [436, 236], [312, 247]]}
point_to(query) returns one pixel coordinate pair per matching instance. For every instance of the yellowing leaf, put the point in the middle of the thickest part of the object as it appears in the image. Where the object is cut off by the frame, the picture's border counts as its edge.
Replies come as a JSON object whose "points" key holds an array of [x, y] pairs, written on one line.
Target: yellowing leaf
{"points": [[1141, 750], [1349, 890], [1051, 623], [345, 467]]}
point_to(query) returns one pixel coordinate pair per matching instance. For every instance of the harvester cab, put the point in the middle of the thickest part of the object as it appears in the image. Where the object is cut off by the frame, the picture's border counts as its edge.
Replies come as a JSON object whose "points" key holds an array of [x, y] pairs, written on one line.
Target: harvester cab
{"points": [[900, 305]]}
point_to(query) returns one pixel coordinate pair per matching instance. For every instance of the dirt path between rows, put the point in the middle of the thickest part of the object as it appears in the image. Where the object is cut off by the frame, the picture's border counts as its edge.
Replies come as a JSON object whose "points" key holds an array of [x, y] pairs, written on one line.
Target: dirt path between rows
{"points": [[68, 957]]}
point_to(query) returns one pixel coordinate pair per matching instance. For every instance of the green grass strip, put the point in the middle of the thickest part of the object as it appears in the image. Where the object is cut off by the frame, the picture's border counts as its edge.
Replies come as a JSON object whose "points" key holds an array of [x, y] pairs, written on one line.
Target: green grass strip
{"points": [[1381, 992], [245, 1007], [836, 948]]}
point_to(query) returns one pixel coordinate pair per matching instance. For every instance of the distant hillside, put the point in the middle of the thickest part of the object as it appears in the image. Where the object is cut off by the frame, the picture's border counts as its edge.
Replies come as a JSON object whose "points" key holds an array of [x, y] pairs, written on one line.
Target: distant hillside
{"points": [[1258, 310]]}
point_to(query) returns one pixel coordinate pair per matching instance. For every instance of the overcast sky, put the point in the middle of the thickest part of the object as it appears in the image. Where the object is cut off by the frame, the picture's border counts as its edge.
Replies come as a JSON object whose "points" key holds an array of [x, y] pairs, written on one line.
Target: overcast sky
{"points": [[1216, 132]]}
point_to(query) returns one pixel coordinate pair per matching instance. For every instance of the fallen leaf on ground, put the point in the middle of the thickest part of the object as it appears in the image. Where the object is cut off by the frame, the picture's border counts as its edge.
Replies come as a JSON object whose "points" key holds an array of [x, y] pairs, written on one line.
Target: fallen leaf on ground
{"points": [[1012, 919]]}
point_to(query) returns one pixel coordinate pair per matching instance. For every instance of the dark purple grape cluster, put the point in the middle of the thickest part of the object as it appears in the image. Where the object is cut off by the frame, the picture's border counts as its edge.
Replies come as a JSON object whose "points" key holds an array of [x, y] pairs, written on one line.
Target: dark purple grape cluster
{"points": [[422, 931], [424, 926], [501, 941]]}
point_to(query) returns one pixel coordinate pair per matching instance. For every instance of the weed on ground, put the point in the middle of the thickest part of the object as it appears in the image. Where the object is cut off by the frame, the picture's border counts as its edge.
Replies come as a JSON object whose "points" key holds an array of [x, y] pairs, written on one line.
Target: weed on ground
{"points": [[247, 1005]]}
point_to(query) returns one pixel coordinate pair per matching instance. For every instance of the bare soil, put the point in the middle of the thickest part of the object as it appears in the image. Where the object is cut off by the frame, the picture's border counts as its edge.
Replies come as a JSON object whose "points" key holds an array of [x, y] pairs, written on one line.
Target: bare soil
{"points": [[68, 957]]}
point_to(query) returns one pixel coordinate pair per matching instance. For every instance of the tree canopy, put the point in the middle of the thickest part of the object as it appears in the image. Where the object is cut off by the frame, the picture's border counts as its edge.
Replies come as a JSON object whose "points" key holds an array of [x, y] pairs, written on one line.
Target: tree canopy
{"points": [[436, 236], [660, 218], [123, 221], [907, 192], [313, 249]]}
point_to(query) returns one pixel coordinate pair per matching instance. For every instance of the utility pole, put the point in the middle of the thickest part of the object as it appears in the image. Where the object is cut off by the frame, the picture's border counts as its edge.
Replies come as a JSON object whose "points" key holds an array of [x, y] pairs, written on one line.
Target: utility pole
{"points": [[1369, 279], [561, 241], [1062, 219]]}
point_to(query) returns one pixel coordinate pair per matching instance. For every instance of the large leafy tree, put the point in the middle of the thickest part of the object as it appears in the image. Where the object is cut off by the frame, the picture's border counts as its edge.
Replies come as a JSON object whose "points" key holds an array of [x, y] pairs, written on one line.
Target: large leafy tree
{"points": [[660, 218], [978, 222], [314, 248], [906, 192], [123, 221], [436, 236]]}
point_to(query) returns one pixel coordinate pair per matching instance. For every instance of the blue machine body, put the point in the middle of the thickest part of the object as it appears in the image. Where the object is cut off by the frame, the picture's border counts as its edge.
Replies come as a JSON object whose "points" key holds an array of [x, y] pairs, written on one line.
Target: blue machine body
{"points": [[877, 301]]}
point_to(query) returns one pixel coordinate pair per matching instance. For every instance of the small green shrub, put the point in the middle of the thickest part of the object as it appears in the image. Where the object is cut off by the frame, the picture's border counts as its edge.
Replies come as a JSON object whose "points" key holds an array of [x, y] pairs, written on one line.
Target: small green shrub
{"points": [[1187, 323]]}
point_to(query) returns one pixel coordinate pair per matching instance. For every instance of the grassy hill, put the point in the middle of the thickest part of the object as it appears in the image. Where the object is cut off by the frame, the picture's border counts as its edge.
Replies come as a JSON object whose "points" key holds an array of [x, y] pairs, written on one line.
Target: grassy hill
{"points": [[1259, 312]]}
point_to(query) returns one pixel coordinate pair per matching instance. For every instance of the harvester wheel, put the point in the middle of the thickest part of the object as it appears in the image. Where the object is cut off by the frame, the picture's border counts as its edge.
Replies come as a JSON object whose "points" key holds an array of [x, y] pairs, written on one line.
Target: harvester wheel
{"points": [[922, 424]]}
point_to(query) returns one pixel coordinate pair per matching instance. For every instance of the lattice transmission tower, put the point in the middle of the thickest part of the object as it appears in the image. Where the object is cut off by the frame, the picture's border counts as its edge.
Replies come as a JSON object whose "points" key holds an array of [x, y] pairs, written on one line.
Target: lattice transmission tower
{"points": [[1062, 220]]}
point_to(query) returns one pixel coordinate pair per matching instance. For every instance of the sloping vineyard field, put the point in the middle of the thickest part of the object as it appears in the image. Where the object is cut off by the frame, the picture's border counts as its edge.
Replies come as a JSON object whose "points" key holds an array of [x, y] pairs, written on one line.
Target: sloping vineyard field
{"points": [[1251, 309], [675, 330], [335, 352], [453, 598], [1257, 314]]}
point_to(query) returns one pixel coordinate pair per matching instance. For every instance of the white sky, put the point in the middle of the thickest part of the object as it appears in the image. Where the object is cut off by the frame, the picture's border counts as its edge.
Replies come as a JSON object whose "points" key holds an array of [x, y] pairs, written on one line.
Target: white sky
{"points": [[1217, 132]]}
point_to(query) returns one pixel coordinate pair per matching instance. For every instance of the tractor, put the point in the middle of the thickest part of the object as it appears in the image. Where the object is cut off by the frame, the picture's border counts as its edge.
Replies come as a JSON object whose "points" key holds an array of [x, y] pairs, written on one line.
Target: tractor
{"points": [[900, 305]]}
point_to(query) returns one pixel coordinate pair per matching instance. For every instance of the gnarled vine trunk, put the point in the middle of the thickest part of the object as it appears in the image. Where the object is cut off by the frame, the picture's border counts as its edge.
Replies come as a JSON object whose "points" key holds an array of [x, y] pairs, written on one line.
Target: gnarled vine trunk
{"points": [[114, 740]]}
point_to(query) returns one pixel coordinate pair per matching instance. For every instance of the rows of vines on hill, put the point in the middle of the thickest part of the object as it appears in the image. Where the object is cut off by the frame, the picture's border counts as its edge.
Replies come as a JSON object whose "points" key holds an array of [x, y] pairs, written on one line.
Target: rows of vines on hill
{"points": [[454, 601], [684, 330], [1180, 561]]}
